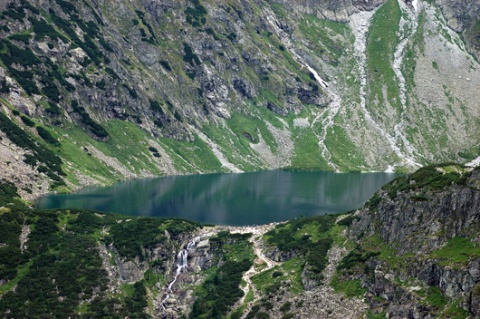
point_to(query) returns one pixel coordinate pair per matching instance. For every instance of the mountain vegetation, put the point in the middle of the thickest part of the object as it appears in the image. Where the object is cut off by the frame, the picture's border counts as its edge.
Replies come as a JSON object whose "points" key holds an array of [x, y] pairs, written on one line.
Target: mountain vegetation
{"points": [[403, 256], [92, 92], [233, 86]]}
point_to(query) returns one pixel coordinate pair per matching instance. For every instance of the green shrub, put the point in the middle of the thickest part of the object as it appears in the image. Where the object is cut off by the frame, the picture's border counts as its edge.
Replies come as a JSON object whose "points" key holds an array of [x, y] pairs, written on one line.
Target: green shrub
{"points": [[231, 36], [28, 122], [25, 38], [212, 33], [9, 195], [354, 258], [165, 65], [435, 297], [289, 238], [4, 88], [155, 106], [429, 177], [132, 237], [223, 290], [25, 79], [141, 15], [373, 201], [286, 306], [15, 14], [190, 56], [67, 7], [52, 92], [351, 288], [43, 29], [105, 44], [131, 91], [92, 126], [41, 154], [32, 161], [196, 16], [43, 133], [16, 55], [347, 221], [61, 264], [53, 109], [112, 73]]}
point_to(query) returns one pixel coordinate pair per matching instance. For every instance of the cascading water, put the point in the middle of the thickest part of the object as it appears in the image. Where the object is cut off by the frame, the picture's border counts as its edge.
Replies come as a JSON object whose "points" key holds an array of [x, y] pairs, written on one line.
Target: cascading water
{"points": [[182, 261], [182, 266]]}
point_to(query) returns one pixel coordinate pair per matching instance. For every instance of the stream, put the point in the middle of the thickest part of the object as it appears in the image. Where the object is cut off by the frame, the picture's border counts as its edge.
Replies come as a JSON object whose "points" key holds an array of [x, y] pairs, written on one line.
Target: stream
{"points": [[182, 266]]}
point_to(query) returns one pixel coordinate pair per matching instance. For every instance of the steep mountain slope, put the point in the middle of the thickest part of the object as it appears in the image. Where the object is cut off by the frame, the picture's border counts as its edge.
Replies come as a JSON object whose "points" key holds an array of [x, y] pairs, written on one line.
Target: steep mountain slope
{"points": [[121, 89], [411, 252], [417, 252]]}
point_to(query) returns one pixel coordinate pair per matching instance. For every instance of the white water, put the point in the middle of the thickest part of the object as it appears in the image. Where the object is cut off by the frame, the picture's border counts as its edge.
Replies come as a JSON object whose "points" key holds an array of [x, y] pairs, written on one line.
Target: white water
{"points": [[407, 29], [182, 266], [327, 123], [404, 34], [360, 23]]}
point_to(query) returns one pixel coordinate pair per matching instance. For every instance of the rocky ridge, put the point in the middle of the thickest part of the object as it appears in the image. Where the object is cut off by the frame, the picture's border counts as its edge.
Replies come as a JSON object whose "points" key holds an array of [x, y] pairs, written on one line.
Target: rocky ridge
{"points": [[423, 230]]}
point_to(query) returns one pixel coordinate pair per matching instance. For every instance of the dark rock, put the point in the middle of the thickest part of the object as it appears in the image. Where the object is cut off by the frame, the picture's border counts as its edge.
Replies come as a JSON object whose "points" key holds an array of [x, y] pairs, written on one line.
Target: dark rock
{"points": [[277, 255], [241, 86], [418, 228], [475, 300], [308, 96], [277, 110]]}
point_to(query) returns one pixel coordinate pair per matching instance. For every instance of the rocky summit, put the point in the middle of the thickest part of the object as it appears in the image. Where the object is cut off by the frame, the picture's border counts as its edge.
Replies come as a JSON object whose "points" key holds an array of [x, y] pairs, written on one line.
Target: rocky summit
{"points": [[97, 91]]}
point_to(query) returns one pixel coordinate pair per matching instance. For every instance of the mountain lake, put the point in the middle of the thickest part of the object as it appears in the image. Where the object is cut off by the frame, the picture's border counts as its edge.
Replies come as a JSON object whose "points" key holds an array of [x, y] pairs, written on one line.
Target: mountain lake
{"points": [[230, 199]]}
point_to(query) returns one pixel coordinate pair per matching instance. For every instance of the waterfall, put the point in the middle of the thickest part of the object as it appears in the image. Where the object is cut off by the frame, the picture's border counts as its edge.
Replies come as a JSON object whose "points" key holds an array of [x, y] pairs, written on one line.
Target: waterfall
{"points": [[181, 263], [182, 266]]}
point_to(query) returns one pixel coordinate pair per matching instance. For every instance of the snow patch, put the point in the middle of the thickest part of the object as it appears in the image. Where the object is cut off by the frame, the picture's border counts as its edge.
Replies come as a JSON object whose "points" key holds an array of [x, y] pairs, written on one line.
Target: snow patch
{"points": [[316, 76], [415, 4]]}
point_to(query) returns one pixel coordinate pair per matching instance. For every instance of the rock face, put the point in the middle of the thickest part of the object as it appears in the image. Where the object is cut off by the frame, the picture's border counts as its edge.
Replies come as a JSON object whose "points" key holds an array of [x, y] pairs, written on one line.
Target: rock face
{"points": [[444, 216], [460, 17], [333, 9], [422, 232]]}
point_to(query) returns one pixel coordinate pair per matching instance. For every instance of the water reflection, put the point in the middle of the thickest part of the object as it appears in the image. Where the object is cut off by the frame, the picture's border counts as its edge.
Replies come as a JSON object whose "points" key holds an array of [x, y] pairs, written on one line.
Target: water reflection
{"points": [[232, 199]]}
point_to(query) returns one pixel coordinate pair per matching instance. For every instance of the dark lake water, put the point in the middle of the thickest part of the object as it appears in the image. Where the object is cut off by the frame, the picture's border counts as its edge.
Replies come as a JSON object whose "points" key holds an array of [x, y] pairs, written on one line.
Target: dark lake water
{"points": [[230, 199]]}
